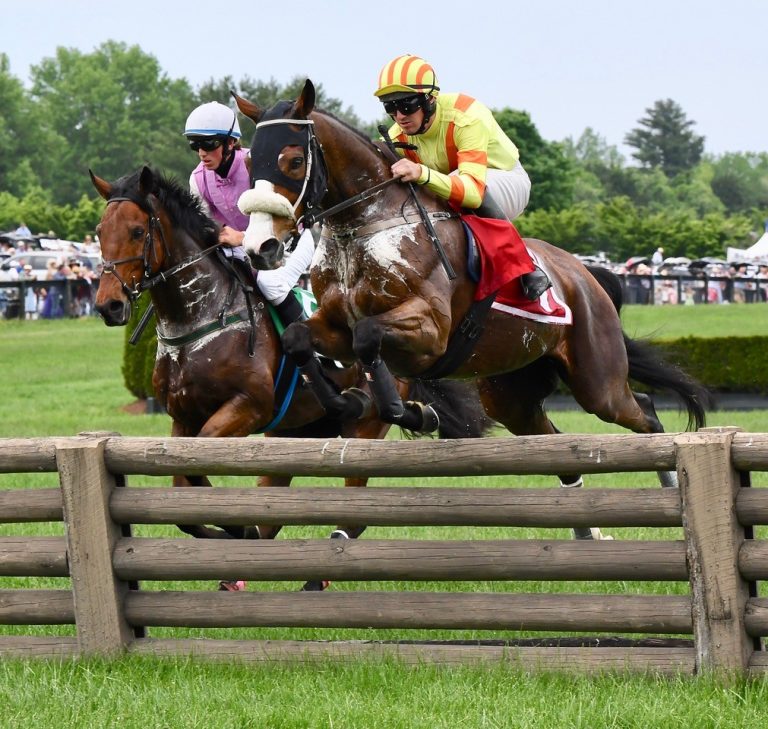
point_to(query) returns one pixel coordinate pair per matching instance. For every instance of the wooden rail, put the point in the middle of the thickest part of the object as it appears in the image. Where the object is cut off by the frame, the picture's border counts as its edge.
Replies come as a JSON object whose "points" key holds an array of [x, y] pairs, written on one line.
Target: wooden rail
{"points": [[723, 614]]}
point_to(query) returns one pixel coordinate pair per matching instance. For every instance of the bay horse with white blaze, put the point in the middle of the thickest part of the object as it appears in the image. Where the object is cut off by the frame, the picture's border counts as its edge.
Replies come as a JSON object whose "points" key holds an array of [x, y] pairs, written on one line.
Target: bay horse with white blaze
{"points": [[220, 370], [386, 298]]}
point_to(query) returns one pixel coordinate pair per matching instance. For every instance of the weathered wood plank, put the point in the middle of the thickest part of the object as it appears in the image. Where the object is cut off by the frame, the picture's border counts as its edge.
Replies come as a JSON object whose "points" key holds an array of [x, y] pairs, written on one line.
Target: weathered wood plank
{"points": [[91, 535], [749, 451], [756, 616], [661, 660], [752, 506], [33, 646], [30, 505], [27, 455], [753, 560], [341, 559], [709, 485], [36, 607], [399, 506], [662, 614], [549, 454], [33, 557]]}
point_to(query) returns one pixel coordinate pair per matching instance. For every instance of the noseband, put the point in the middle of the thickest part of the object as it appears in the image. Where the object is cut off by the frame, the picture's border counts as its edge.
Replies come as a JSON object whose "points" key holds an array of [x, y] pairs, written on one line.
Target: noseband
{"points": [[148, 279]]}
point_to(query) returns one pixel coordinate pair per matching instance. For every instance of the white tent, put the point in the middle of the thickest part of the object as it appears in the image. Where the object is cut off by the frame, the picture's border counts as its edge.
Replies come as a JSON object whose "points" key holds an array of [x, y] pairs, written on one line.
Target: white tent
{"points": [[756, 252]]}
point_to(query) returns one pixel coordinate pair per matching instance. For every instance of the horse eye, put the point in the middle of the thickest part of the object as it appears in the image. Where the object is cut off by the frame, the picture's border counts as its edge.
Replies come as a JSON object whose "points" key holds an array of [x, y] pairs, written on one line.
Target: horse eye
{"points": [[297, 162], [137, 233]]}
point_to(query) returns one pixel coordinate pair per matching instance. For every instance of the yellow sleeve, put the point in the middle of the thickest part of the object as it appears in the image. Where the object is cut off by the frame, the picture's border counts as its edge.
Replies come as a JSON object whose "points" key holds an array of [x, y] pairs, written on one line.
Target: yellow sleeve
{"points": [[466, 187]]}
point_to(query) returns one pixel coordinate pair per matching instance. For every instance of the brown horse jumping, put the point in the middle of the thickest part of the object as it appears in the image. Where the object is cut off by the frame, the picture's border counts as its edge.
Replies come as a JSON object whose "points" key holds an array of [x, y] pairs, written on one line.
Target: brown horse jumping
{"points": [[387, 301], [155, 237]]}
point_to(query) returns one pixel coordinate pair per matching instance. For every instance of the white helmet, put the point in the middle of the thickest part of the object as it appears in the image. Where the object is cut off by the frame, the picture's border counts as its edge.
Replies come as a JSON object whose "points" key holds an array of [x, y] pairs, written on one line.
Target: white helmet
{"points": [[212, 120]]}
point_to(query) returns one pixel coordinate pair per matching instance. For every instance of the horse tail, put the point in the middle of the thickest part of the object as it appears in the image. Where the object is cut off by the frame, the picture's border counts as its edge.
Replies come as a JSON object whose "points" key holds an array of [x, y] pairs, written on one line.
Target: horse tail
{"points": [[457, 404], [648, 367]]}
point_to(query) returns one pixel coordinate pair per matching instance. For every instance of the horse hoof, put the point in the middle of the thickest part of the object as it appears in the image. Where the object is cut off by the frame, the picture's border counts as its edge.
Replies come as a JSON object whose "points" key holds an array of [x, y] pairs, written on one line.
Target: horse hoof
{"points": [[359, 404], [591, 534], [233, 586], [430, 420], [315, 585]]}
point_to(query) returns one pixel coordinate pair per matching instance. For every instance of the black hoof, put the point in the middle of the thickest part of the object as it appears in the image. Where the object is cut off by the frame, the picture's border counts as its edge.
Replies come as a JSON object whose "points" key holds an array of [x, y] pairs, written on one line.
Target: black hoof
{"points": [[358, 403], [315, 585], [429, 421]]}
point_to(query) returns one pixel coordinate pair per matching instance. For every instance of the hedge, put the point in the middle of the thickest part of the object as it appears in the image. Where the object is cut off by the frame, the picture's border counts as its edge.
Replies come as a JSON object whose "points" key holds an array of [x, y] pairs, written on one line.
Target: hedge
{"points": [[724, 364], [139, 358]]}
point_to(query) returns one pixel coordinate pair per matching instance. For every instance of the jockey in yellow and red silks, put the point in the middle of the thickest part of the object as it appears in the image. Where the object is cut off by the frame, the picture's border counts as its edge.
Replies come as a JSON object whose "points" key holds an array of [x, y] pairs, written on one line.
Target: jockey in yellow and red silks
{"points": [[462, 154]]}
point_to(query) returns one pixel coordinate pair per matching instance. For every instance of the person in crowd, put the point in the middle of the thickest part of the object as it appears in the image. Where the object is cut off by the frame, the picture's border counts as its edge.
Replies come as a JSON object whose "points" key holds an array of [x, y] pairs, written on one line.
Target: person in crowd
{"points": [[461, 153], [221, 176], [23, 231], [30, 295], [658, 257]]}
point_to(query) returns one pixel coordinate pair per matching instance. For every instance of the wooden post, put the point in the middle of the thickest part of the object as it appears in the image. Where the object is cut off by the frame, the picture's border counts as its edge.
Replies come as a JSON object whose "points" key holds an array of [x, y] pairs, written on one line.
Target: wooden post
{"points": [[709, 485], [86, 487]]}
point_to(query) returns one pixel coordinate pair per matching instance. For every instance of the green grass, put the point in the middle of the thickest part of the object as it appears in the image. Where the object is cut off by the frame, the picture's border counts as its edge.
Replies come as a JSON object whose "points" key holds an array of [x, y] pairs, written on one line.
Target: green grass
{"points": [[63, 377], [672, 322], [181, 694]]}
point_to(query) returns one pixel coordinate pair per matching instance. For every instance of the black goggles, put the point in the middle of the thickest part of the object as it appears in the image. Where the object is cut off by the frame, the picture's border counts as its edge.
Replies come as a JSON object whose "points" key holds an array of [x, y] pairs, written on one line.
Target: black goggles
{"points": [[207, 144], [406, 106]]}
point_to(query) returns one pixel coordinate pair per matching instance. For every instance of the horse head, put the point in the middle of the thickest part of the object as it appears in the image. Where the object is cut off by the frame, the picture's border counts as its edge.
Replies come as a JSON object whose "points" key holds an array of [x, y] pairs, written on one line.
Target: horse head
{"points": [[288, 176], [128, 233]]}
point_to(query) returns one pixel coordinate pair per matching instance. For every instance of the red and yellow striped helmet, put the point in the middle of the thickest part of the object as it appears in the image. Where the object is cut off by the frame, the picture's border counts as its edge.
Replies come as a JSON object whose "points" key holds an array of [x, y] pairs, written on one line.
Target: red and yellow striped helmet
{"points": [[407, 75]]}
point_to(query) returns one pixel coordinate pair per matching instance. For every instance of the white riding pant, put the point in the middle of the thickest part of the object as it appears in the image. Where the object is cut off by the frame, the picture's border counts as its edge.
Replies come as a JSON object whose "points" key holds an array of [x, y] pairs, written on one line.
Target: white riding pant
{"points": [[277, 284], [510, 189]]}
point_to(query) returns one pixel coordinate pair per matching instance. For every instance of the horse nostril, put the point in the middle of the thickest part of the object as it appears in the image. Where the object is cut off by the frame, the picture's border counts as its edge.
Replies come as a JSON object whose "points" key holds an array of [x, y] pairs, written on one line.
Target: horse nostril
{"points": [[268, 256], [114, 312]]}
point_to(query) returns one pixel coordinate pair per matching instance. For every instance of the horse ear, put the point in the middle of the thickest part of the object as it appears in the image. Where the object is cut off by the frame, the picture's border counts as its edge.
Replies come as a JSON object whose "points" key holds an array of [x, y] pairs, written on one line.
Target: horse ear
{"points": [[306, 101], [102, 186], [146, 181], [251, 110]]}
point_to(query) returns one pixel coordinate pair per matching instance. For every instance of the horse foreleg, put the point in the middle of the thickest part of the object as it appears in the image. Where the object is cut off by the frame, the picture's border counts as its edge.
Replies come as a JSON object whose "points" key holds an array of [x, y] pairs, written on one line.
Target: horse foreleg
{"points": [[412, 415], [350, 404]]}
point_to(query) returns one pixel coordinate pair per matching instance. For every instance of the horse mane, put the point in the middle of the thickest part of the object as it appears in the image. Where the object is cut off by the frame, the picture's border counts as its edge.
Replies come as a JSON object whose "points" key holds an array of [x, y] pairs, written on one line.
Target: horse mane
{"points": [[360, 135], [183, 208]]}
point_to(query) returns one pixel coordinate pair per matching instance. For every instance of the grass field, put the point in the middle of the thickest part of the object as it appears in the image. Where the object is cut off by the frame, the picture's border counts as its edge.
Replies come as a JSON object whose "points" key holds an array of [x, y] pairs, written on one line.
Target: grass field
{"points": [[63, 377]]}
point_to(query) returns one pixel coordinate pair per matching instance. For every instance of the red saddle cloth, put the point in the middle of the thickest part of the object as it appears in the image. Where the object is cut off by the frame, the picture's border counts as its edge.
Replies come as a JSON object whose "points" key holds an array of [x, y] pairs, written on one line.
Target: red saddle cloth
{"points": [[504, 258], [503, 254]]}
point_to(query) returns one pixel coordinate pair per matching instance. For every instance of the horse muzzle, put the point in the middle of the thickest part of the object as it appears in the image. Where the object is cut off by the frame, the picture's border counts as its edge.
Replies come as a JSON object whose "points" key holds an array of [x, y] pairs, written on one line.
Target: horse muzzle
{"points": [[269, 255], [115, 312]]}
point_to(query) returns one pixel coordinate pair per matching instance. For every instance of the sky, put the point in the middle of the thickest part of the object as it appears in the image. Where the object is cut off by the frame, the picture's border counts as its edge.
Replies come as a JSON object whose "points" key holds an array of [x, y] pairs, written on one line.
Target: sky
{"points": [[571, 64]]}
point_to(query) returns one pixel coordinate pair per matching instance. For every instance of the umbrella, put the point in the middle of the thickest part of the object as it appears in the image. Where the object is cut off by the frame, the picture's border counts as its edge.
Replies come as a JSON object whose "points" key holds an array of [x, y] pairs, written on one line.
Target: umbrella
{"points": [[707, 261], [637, 260]]}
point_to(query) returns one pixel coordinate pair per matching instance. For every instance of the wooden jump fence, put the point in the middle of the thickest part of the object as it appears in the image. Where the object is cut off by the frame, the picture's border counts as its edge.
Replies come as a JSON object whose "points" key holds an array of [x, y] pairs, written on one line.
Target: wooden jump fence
{"points": [[718, 625]]}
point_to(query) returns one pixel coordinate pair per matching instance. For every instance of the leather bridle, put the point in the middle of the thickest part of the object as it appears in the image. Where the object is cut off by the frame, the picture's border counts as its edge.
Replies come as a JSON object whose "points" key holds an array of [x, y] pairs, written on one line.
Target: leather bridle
{"points": [[150, 279]]}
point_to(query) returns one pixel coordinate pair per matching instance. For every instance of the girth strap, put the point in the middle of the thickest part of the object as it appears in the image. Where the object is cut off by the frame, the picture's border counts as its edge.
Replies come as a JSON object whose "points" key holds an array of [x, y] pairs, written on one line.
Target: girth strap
{"points": [[200, 332]]}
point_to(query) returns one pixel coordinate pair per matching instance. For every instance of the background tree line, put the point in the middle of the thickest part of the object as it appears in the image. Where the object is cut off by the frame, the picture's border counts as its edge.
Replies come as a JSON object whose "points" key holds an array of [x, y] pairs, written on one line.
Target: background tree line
{"points": [[115, 109]]}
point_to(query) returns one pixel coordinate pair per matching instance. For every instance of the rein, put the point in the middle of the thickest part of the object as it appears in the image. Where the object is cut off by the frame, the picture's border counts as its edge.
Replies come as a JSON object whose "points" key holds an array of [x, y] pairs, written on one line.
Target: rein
{"points": [[314, 149], [150, 280]]}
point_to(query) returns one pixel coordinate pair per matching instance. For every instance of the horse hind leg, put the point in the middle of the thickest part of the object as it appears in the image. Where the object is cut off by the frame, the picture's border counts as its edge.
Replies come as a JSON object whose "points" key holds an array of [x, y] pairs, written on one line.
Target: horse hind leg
{"points": [[668, 479], [516, 400]]}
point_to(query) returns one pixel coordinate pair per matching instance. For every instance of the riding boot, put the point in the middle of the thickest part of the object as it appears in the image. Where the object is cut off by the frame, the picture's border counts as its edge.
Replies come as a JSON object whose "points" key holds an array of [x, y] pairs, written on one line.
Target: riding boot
{"points": [[535, 283], [290, 310]]}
